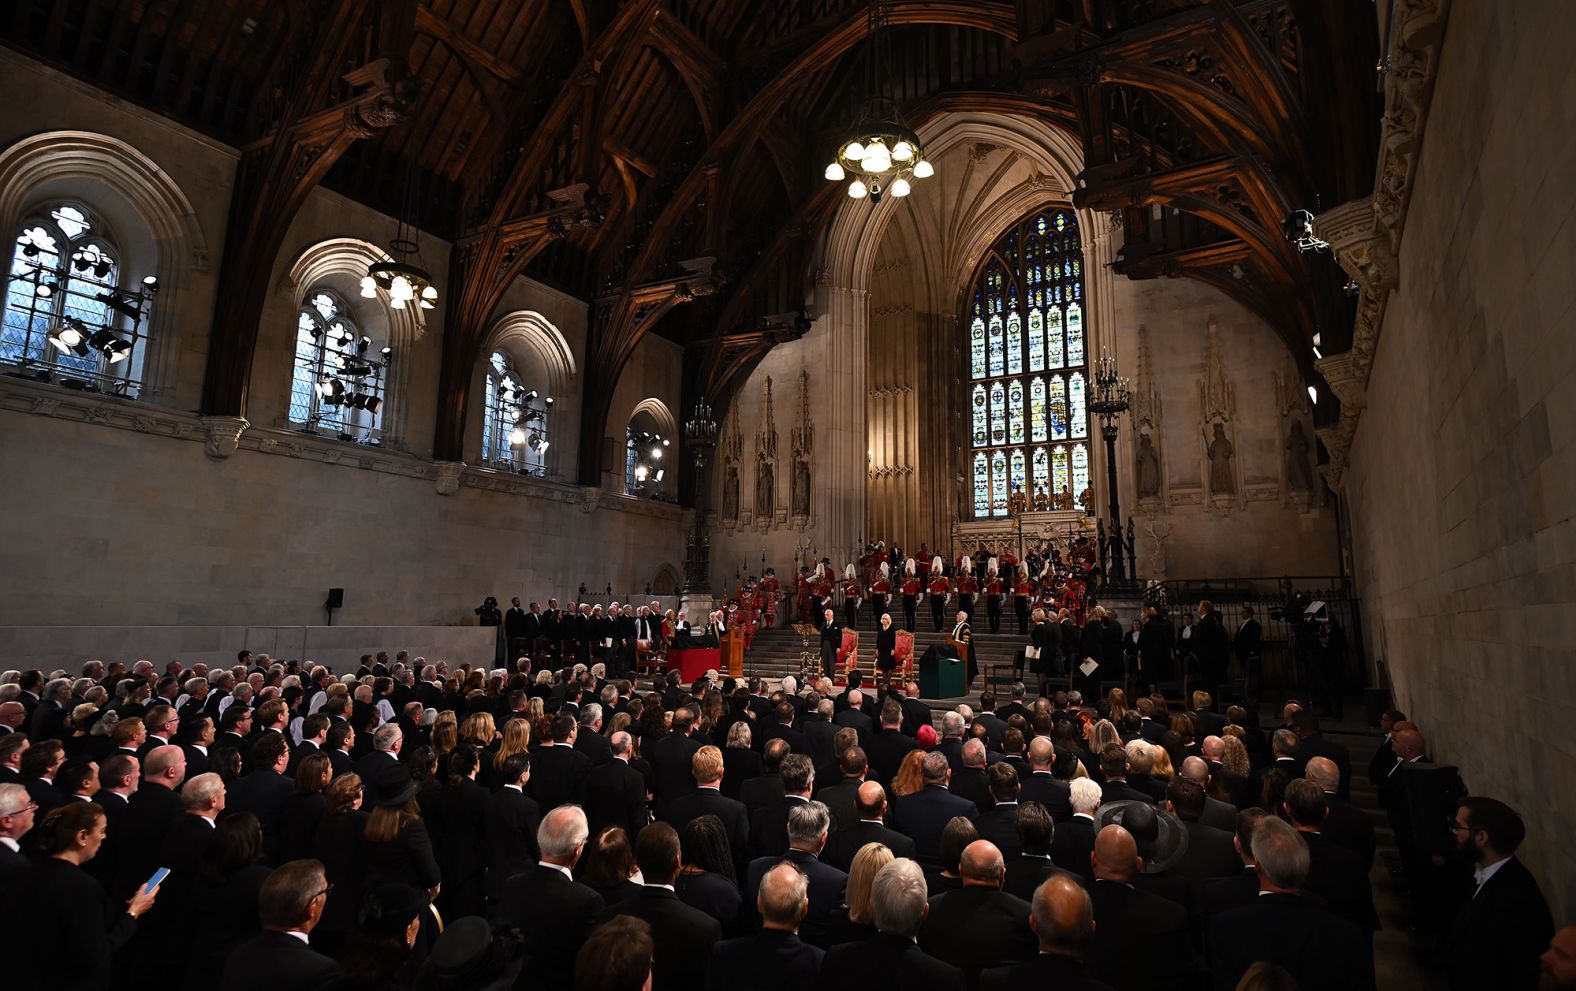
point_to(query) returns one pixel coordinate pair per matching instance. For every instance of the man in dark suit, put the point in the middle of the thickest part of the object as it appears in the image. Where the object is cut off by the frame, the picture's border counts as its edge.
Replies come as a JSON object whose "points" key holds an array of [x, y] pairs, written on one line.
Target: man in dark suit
{"points": [[775, 959], [1073, 843], [782, 728], [1247, 645], [40, 763], [1239, 889], [999, 823], [843, 844], [1505, 924], [264, 791], [558, 772], [1140, 939], [1335, 874], [1061, 917], [1206, 720], [387, 740], [831, 641], [1015, 705], [887, 748], [978, 925], [670, 759], [923, 815], [615, 793], [337, 745], [1311, 743], [769, 824], [820, 733], [915, 712], [841, 798], [17, 815], [589, 739], [808, 825], [854, 715], [149, 815], [289, 907], [969, 779], [1238, 786], [1210, 853], [892, 958], [552, 911], [708, 799], [1040, 785], [1344, 822], [1033, 864], [1114, 766], [682, 936], [1319, 949], [510, 822], [1211, 648], [766, 788]]}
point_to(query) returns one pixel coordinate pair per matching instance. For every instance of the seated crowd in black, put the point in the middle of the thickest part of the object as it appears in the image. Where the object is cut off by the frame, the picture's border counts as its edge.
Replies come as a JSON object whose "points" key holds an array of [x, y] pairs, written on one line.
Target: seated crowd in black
{"points": [[407, 826]]}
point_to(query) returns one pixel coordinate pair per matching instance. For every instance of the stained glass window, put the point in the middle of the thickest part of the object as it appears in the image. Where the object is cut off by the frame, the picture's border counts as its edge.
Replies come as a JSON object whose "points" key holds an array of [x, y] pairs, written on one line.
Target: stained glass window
{"points": [[1015, 412], [981, 418], [1014, 344], [1033, 274], [1037, 409], [981, 486]]}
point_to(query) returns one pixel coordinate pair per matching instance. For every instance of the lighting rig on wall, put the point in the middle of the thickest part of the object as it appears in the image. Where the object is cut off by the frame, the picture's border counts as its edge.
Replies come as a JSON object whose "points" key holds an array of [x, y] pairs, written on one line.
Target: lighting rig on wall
{"points": [[880, 151], [646, 455], [1298, 228], [351, 380], [525, 420], [78, 338]]}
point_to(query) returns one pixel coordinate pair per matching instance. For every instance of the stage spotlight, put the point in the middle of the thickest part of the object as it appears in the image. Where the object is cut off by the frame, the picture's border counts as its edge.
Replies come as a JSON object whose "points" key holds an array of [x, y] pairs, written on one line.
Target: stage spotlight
{"points": [[516, 437], [548, 400], [46, 290], [660, 473], [70, 338]]}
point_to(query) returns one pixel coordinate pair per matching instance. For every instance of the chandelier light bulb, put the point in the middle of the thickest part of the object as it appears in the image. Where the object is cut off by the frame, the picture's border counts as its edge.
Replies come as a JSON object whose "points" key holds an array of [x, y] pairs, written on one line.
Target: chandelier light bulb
{"points": [[395, 303], [369, 287], [834, 172], [877, 158], [900, 188], [854, 151], [902, 151], [923, 170], [857, 190], [430, 292]]}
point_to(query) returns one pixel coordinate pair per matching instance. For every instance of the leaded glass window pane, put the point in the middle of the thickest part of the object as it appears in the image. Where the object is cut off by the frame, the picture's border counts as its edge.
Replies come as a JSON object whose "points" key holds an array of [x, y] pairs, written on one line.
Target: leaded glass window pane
{"points": [[981, 418], [998, 484], [1080, 469], [981, 486], [1015, 412], [1014, 344], [1037, 409]]}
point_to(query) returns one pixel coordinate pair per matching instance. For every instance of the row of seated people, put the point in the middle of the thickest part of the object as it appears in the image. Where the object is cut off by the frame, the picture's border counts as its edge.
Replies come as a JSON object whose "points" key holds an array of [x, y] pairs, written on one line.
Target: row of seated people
{"points": [[764, 839]]}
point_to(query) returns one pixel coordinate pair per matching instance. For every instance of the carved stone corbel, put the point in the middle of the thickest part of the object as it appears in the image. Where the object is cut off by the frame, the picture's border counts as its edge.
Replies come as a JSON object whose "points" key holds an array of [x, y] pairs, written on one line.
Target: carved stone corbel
{"points": [[1348, 380], [222, 435], [448, 481], [1360, 244]]}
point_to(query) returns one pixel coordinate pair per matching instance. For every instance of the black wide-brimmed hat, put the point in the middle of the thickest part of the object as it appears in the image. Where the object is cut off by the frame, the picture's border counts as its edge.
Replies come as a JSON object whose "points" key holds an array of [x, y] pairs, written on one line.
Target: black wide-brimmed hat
{"points": [[1160, 837], [468, 956], [392, 787]]}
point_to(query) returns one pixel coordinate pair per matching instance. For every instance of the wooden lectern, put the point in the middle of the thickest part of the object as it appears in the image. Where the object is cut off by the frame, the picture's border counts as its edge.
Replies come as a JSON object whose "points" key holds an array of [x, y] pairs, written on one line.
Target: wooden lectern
{"points": [[733, 653]]}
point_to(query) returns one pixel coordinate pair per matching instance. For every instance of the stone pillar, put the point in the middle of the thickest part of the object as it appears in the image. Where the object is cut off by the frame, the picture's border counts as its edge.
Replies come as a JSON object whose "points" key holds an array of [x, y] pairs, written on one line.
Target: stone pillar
{"points": [[840, 338]]}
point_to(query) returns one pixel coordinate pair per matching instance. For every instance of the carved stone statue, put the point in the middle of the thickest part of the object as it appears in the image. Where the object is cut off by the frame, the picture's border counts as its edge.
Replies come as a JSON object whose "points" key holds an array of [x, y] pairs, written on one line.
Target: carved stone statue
{"points": [[1299, 477], [1148, 468], [763, 489], [1221, 480], [730, 494], [801, 487]]}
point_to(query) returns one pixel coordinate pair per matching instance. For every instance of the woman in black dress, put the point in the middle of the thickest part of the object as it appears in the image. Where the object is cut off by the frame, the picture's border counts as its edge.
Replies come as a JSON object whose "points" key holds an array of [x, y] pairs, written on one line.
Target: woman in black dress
{"points": [[338, 836], [304, 808], [1045, 641], [459, 835], [395, 846], [1090, 647], [57, 910], [222, 906], [886, 648], [610, 866], [707, 881]]}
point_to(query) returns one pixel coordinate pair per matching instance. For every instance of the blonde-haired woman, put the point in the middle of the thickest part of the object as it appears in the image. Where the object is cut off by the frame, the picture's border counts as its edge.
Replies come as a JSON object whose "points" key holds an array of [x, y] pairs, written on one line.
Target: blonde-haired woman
{"points": [[516, 740], [1118, 700], [855, 920], [1102, 735], [480, 731], [1235, 756]]}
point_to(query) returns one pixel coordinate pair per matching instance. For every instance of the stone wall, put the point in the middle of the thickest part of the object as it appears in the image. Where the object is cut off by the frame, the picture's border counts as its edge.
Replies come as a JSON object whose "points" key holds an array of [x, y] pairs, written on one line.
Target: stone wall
{"points": [[1462, 481]]}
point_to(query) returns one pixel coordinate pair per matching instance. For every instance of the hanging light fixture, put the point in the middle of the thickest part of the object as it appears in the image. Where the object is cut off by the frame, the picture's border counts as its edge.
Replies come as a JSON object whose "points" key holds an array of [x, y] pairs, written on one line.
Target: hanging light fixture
{"points": [[879, 153], [407, 285]]}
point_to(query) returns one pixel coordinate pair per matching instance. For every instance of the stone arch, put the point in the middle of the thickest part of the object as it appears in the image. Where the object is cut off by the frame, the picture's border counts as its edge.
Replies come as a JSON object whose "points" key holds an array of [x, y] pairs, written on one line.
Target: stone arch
{"points": [[340, 262], [666, 581], [93, 167], [655, 408], [527, 334]]}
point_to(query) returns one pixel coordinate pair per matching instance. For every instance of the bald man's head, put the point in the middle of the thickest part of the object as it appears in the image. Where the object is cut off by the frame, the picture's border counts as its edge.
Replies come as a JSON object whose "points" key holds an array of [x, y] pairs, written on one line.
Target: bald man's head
{"points": [[1062, 916], [870, 800], [1041, 753], [784, 897], [982, 865], [1116, 855], [1323, 772], [1213, 748], [1408, 744], [1195, 770]]}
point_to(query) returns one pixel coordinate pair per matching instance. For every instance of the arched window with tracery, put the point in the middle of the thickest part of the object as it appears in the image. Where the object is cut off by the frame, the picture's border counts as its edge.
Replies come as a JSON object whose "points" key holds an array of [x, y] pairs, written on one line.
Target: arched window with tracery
{"points": [[67, 315], [514, 421], [340, 373], [1027, 366]]}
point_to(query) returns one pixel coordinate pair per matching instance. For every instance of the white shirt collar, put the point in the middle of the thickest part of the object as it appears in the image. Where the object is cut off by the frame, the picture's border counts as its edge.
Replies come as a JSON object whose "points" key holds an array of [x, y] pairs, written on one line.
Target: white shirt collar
{"points": [[298, 935], [8, 841], [1482, 874], [668, 887], [200, 749], [566, 872], [1083, 815], [516, 788]]}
